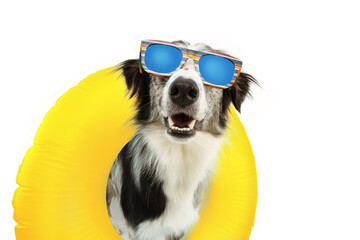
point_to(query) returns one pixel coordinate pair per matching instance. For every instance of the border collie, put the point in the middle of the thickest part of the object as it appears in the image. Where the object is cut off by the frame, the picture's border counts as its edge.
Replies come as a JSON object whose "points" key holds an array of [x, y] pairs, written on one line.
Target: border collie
{"points": [[158, 180]]}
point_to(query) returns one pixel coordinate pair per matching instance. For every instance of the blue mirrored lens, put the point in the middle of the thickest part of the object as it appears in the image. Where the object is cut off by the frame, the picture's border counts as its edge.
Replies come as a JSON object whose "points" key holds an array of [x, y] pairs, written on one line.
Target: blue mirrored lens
{"points": [[216, 70], [162, 58]]}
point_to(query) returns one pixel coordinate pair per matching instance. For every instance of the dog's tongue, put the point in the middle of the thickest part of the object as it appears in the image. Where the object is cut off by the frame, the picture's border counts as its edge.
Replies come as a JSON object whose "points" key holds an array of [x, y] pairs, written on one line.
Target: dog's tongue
{"points": [[181, 120]]}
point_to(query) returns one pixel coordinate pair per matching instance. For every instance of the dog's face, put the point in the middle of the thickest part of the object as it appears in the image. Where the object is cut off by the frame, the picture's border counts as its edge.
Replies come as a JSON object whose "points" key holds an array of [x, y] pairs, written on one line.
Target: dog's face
{"points": [[181, 104]]}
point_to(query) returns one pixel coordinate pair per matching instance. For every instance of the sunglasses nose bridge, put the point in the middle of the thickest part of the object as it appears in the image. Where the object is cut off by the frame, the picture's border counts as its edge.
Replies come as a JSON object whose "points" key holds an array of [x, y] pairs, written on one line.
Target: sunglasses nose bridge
{"points": [[189, 64]]}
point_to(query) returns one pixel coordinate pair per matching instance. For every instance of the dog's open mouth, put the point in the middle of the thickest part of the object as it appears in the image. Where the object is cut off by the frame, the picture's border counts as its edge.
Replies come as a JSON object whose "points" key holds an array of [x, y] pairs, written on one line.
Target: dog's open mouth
{"points": [[181, 125]]}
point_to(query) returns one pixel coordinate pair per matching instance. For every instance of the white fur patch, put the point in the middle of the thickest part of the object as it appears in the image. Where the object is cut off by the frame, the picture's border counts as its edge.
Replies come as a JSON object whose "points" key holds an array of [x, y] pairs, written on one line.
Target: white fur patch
{"points": [[181, 167]]}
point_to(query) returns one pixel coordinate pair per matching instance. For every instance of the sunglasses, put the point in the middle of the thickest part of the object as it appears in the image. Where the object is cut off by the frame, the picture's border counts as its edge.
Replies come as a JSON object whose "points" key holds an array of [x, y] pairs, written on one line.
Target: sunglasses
{"points": [[163, 59]]}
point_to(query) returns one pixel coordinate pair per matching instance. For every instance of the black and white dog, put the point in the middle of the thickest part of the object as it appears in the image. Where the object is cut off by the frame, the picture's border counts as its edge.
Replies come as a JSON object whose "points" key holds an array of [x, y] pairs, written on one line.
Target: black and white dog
{"points": [[157, 182]]}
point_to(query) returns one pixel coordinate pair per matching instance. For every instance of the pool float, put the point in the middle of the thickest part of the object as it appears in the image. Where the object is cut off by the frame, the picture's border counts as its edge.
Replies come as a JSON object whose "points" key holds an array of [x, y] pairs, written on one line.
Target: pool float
{"points": [[62, 179]]}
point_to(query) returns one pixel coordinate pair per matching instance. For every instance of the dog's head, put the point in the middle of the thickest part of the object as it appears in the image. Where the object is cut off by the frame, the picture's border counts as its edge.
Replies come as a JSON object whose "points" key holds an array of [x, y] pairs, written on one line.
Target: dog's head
{"points": [[181, 104]]}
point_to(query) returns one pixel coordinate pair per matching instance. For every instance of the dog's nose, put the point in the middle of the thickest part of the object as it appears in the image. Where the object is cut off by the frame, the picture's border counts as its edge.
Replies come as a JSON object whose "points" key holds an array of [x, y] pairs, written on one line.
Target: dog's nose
{"points": [[183, 92]]}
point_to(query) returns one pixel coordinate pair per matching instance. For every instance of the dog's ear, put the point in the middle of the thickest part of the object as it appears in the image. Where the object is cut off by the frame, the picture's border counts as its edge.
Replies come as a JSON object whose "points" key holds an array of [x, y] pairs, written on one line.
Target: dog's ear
{"points": [[241, 89], [138, 84], [136, 81]]}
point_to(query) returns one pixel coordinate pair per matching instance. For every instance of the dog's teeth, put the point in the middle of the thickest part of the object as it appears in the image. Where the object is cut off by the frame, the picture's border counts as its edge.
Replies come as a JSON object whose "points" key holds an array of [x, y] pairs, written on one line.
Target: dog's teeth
{"points": [[182, 129], [171, 123], [192, 124]]}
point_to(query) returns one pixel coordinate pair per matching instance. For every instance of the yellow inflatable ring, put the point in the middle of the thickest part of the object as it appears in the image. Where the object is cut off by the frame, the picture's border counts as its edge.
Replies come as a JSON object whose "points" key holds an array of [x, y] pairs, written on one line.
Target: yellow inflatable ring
{"points": [[62, 179]]}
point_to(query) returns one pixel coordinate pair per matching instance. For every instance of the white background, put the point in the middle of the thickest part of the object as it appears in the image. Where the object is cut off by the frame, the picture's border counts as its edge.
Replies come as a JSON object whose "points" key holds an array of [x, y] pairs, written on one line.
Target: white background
{"points": [[303, 123]]}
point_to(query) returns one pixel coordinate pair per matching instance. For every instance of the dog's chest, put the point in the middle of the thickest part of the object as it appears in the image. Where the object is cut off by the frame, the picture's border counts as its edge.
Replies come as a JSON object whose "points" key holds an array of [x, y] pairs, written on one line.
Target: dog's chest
{"points": [[182, 169]]}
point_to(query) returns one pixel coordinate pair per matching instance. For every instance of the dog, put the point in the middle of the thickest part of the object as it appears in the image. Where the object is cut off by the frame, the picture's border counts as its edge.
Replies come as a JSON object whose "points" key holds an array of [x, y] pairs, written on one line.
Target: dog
{"points": [[158, 180]]}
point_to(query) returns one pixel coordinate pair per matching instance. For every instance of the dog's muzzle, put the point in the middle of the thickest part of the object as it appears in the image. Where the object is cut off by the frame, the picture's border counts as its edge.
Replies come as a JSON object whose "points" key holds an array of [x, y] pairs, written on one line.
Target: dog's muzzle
{"points": [[183, 92]]}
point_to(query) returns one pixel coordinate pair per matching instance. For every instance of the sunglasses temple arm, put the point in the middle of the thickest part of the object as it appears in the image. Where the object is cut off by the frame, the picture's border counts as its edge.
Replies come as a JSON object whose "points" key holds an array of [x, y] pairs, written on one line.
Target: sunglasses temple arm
{"points": [[140, 67]]}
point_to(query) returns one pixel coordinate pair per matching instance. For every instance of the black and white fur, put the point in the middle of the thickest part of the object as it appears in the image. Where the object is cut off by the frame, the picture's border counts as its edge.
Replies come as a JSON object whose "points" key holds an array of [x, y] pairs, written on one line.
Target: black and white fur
{"points": [[157, 181]]}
